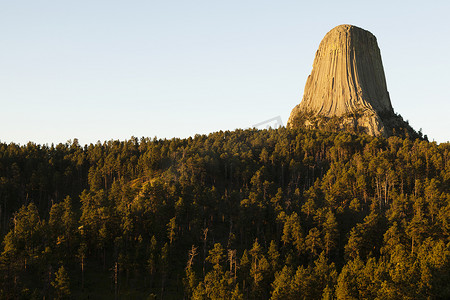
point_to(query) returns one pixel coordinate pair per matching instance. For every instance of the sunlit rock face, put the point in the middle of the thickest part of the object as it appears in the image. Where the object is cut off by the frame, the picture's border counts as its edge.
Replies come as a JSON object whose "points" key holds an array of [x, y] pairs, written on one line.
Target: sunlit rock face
{"points": [[347, 86]]}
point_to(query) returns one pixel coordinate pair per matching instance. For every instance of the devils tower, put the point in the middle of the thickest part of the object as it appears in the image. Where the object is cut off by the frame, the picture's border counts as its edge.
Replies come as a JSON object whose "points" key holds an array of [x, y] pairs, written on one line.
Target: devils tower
{"points": [[347, 87]]}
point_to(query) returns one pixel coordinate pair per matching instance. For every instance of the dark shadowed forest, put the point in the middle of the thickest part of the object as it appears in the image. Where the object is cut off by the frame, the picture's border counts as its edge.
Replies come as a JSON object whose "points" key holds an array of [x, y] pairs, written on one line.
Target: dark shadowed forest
{"points": [[247, 214]]}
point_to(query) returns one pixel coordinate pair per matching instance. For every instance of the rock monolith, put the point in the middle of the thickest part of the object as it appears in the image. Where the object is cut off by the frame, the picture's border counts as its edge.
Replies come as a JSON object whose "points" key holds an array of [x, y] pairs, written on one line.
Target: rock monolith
{"points": [[347, 87]]}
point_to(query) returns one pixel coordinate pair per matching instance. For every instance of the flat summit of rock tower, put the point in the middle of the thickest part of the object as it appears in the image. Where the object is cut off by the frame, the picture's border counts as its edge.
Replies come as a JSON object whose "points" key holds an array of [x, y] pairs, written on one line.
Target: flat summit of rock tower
{"points": [[347, 87]]}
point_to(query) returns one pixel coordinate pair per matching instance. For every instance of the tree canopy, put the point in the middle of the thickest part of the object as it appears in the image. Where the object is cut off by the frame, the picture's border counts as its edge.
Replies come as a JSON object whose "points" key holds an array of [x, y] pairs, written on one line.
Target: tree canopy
{"points": [[244, 214]]}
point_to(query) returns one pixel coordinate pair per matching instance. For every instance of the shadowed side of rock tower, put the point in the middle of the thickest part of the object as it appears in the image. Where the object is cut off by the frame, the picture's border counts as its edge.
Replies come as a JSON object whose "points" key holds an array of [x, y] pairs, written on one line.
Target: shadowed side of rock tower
{"points": [[347, 87]]}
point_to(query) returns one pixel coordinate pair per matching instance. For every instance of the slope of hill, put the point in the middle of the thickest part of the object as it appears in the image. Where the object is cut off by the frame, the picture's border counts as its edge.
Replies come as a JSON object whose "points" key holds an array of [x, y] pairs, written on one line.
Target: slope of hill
{"points": [[271, 214]]}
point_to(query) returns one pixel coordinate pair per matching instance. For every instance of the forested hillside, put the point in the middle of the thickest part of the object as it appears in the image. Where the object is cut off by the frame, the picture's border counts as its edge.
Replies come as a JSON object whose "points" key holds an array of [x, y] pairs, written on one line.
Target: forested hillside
{"points": [[247, 214]]}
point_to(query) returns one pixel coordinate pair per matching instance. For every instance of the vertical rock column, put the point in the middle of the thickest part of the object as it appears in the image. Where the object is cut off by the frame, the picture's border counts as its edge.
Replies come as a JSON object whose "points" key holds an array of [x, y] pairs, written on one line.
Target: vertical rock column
{"points": [[347, 79]]}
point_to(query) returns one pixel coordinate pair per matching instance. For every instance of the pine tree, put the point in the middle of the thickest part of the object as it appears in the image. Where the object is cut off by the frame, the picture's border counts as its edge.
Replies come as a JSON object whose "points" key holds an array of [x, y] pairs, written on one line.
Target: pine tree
{"points": [[61, 284], [282, 285], [330, 232]]}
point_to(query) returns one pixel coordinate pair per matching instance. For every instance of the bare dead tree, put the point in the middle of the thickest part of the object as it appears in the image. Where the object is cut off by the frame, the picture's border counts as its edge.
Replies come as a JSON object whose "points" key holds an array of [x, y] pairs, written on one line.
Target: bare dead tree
{"points": [[191, 255], [233, 261], [204, 237]]}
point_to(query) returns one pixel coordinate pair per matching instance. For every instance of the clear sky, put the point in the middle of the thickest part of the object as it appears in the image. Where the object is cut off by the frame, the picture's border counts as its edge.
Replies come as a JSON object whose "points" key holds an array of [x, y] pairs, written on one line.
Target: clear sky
{"points": [[99, 70]]}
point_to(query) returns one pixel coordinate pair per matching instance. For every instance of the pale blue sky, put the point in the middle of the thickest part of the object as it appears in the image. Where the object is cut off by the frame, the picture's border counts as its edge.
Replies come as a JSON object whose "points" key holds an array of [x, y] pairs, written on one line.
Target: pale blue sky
{"points": [[100, 70]]}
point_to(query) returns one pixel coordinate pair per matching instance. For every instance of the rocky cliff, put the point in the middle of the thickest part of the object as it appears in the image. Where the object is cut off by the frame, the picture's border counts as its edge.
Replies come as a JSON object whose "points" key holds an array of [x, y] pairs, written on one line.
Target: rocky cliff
{"points": [[347, 87]]}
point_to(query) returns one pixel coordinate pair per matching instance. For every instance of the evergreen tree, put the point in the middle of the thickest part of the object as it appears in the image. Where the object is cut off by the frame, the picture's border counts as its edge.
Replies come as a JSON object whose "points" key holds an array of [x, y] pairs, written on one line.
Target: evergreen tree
{"points": [[61, 284]]}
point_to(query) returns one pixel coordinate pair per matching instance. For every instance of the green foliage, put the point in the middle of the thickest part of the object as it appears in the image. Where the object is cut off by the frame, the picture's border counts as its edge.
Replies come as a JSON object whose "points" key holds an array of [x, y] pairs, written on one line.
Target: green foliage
{"points": [[61, 284], [248, 214], [281, 286]]}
